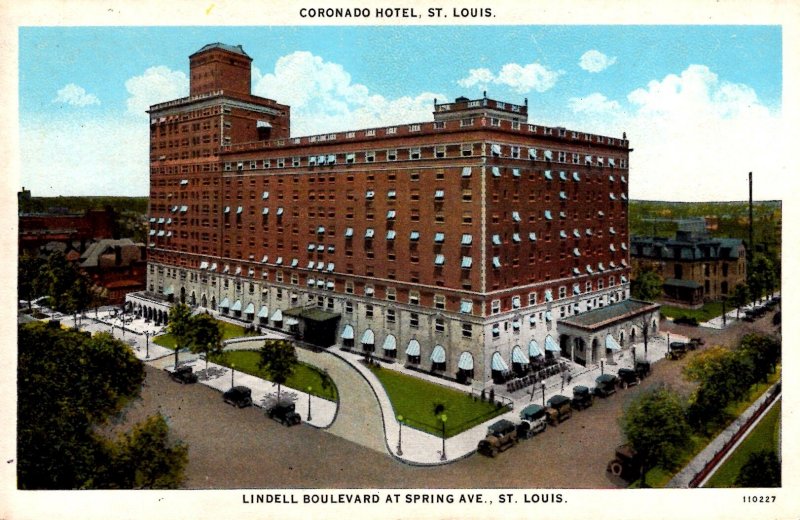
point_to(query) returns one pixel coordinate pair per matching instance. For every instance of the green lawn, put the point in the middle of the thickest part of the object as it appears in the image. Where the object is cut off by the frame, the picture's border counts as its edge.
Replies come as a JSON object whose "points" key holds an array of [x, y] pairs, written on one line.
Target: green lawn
{"points": [[414, 399], [704, 313], [304, 375], [659, 477], [229, 331], [763, 437]]}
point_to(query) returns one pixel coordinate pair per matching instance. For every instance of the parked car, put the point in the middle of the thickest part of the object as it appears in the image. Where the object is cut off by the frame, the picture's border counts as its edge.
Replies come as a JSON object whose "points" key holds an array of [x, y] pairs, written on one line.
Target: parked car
{"points": [[581, 397], [183, 375], [239, 396], [642, 369], [534, 420], [606, 385], [696, 342], [559, 409], [500, 436], [284, 413], [749, 316], [628, 377], [626, 463], [677, 349]]}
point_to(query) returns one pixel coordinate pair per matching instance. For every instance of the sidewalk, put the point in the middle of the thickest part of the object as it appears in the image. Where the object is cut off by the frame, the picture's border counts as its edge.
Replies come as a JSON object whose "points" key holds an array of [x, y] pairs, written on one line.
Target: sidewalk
{"points": [[682, 479]]}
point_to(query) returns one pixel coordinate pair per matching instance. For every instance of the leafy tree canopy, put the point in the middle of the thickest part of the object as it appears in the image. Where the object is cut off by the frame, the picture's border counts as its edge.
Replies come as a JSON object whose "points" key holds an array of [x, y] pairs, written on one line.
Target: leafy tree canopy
{"points": [[278, 359], [762, 469], [647, 286]]}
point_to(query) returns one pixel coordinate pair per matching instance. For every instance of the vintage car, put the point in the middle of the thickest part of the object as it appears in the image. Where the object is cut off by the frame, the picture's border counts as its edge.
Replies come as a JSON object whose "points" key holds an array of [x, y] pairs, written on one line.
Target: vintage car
{"points": [[534, 420], [239, 396], [626, 463], [606, 385], [695, 343], [677, 349], [581, 397], [284, 413], [559, 409], [500, 436], [628, 377], [642, 369], [183, 375]]}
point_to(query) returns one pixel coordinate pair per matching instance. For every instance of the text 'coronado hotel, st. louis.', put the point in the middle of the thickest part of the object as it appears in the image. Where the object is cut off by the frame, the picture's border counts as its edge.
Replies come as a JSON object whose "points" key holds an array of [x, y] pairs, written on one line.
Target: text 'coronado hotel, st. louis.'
{"points": [[466, 247]]}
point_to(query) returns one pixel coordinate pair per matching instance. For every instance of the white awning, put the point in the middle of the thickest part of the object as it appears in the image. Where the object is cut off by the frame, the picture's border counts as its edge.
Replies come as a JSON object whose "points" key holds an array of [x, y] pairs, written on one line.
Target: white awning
{"points": [[390, 343], [251, 309], [369, 233], [203, 265], [495, 171], [279, 260], [237, 306], [239, 270], [515, 172], [265, 195], [518, 356], [576, 252], [550, 344], [263, 312], [263, 124], [265, 211], [310, 264], [623, 279], [466, 239], [292, 321], [320, 283], [548, 295], [611, 343], [329, 285], [576, 289], [279, 212], [413, 236], [548, 175], [562, 234], [413, 348], [466, 262], [169, 290], [562, 175], [576, 233], [320, 266], [516, 238], [548, 316], [496, 150], [466, 306], [277, 315], [225, 303], [498, 363], [438, 238], [369, 290], [321, 229], [548, 215], [348, 232], [213, 266], [515, 216], [496, 262], [227, 209], [532, 236], [439, 260], [438, 194], [576, 176], [465, 361], [438, 355], [368, 338], [533, 349], [532, 153], [391, 234], [347, 332], [496, 240], [330, 267], [548, 155], [466, 171]]}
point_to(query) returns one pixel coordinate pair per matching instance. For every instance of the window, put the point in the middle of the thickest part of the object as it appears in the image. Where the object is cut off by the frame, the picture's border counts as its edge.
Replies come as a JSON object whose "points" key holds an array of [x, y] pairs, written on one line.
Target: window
{"points": [[369, 311], [439, 325], [391, 155], [369, 156], [414, 153], [562, 292], [348, 287], [391, 294], [466, 195], [439, 301], [440, 152], [495, 306], [515, 302], [348, 307], [515, 152], [466, 150], [413, 298], [532, 298], [413, 320], [390, 315], [466, 330]]}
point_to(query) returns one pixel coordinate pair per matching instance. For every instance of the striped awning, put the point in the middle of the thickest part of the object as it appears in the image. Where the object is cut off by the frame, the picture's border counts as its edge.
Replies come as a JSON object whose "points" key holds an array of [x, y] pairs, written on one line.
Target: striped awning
{"points": [[169, 290], [465, 361], [611, 343], [498, 363], [251, 309], [277, 315], [518, 356], [413, 348], [533, 349], [368, 338], [438, 354], [225, 303], [292, 321], [550, 344], [237, 306], [263, 312], [390, 343], [347, 332]]}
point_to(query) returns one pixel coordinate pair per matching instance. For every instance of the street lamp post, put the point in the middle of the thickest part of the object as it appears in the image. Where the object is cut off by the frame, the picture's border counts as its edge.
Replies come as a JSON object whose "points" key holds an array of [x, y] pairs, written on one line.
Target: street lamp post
{"points": [[400, 436], [724, 318], [602, 367], [443, 418], [309, 404], [543, 387], [668, 348], [233, 370], [147, 340]]}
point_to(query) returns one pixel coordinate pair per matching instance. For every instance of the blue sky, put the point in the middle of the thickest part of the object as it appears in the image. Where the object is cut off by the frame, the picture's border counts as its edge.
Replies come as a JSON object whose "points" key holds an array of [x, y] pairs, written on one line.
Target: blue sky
{"points": [[690, 98]]}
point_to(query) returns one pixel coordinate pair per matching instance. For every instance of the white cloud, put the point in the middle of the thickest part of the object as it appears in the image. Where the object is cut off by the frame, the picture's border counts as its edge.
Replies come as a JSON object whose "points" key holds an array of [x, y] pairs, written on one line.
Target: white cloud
{"points": [[156, 85], [75, 95], [593, 104], [520, 78], [596, 61], [695, 137], [324, 98]]}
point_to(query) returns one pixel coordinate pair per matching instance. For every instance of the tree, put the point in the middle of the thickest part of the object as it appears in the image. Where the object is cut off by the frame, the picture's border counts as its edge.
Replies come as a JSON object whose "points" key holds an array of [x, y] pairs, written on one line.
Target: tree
{"points": [[69, 383], [28, 277], [655, 426], [278, 359], [206, 336], [760, 276], [647, 318], [741, 295], [764, 351], [762, 469], [180, 326], [647, 286], [147, 458]]}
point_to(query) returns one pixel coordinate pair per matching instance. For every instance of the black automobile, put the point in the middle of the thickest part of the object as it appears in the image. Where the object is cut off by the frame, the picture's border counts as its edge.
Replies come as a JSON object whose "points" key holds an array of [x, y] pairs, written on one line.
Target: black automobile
{"points": [[239, 396], [581, 397], [606, 385], [628, 377], [285, 414], [183, 375], [642, 369], [677, 349]]}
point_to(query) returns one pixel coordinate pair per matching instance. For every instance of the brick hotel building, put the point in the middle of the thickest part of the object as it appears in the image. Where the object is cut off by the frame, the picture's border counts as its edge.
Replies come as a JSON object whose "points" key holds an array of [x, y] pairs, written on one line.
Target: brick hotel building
{"points": [[464, 246]]}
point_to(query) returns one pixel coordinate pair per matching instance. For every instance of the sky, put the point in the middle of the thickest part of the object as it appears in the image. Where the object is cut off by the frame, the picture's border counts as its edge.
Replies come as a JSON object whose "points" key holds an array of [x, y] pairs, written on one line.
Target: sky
{"points": [[701, 105]]}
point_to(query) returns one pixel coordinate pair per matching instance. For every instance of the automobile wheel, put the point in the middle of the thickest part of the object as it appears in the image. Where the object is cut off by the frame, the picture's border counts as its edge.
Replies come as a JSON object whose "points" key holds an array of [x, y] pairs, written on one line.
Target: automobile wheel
{"points": [[615, 467]]}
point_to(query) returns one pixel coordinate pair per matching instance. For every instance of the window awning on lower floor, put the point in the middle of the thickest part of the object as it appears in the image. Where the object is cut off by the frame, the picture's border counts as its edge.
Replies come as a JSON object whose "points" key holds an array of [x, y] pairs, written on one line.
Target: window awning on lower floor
{"points": [[413, 348], [347, 332], [498, 363], [438, 355], [611, 343], [533, 349], [518, 356], [237, 306], [292, 321], [169, 291], [550, 344], [368, 338], [263, 312], [225, 303], [251, 309], [465, 361], [277, 315], [390, 343]]}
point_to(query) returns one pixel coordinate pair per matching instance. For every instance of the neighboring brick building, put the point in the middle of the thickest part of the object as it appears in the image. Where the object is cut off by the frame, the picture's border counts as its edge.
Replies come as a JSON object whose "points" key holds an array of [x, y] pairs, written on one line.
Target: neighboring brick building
{"points": [[118, 266], [74, 231], [454, 245], [695, 267]]}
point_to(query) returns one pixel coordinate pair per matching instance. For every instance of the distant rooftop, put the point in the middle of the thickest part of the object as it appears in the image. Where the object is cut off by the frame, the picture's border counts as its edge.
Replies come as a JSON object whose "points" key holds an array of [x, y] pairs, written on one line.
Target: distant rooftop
{"points": [[237, 49], [609, 314]]}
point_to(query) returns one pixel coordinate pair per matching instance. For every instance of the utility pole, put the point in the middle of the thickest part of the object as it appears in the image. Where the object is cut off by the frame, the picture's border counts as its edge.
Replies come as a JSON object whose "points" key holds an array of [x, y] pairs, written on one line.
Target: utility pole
{"points": [[750, 244]]}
